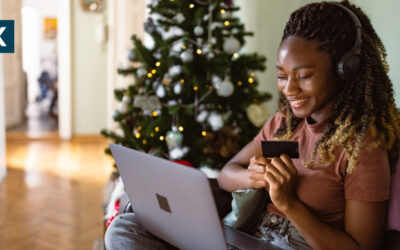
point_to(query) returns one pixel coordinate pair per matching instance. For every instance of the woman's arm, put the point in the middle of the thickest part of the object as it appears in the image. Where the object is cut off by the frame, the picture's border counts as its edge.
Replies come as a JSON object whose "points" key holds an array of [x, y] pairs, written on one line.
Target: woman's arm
{"points": [[364, 221], [236, 175], [364, 226]]}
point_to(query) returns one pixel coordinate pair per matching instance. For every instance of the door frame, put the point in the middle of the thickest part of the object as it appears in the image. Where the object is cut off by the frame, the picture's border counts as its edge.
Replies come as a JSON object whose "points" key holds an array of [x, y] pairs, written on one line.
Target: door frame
{"points": [[64, 69]]}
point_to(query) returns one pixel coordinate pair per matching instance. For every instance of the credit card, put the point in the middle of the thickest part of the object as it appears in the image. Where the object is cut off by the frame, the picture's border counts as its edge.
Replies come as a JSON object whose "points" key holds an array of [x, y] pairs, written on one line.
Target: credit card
{"points": [[272, 149]]}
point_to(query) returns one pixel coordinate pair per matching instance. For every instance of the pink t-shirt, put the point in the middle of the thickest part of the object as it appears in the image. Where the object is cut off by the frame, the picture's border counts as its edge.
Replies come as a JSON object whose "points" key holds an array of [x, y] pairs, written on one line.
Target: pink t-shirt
{"points": [[324, 188]]}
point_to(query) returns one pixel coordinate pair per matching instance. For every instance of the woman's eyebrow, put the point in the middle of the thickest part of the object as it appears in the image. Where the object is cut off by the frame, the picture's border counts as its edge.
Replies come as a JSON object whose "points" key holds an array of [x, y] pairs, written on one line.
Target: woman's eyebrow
{"points": [[297, 67]]}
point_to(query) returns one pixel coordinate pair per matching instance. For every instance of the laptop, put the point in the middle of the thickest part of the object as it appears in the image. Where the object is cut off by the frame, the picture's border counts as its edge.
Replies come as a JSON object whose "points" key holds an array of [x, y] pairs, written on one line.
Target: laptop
{"points": [[175, 203]]}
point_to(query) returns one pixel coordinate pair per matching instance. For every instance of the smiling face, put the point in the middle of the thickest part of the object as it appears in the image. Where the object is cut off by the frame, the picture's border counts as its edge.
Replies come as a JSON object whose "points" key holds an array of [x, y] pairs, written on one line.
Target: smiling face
{"points": [[306, 79]]}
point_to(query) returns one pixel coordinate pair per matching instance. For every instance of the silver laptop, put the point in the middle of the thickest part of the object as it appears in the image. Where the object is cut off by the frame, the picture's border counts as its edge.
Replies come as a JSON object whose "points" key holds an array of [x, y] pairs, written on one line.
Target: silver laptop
{"points": [[175, 203]]}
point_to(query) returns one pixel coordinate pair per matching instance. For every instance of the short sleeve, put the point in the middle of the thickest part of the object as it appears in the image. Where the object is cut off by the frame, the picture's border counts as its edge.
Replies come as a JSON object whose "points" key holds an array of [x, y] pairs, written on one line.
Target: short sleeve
{"points": [[370, 180], [269, 128]]}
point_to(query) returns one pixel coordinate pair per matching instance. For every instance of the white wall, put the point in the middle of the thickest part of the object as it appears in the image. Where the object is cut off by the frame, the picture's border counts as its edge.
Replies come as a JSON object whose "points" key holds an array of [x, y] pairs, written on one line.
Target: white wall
{"points": [[3, 169], [267, 20]]}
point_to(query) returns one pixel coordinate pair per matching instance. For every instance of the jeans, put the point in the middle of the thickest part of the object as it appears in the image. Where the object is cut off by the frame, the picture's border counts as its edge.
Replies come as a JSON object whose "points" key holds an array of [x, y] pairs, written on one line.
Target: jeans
{"points": [[280, 232], [125, 232]]}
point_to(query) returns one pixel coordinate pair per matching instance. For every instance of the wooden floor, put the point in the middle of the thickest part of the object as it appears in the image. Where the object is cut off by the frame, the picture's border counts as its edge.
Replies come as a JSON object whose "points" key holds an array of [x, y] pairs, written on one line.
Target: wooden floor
{"points": [[52, 196]]}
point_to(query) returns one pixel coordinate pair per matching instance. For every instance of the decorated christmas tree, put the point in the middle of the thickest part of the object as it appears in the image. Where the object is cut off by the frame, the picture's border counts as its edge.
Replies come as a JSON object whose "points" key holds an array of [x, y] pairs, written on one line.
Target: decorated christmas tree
{"points": [[194, 97]]}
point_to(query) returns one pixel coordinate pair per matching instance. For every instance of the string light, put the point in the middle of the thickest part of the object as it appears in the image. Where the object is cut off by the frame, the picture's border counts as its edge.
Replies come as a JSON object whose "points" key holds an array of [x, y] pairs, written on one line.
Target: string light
{"points": [[157, 129], [183, 46], [251, 80], [222, 11], [180, 128], [139, 128], [235, 55], [226, 23], [155, 114], [161, 138], [203, 133], [137, 136], [144, 141], [149, 75], [239, 83], [152, 134], [191, 6], [195, 88], [153, 71], [182, 81], [158, 64], [198, 51], [253, 74]]}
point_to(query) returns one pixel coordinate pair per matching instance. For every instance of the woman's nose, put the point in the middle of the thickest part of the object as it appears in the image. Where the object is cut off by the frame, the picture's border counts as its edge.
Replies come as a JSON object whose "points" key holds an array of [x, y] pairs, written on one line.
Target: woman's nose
{"points": [[291, 87]]}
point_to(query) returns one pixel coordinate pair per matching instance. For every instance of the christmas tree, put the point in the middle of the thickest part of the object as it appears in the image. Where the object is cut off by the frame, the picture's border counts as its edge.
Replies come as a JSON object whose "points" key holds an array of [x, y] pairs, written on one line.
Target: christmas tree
{"points": [[194, 96]]}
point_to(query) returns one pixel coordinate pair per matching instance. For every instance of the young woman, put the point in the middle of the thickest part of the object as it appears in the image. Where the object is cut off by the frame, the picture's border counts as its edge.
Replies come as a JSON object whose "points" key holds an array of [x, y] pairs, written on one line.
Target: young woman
{"points": [[337, 102]]}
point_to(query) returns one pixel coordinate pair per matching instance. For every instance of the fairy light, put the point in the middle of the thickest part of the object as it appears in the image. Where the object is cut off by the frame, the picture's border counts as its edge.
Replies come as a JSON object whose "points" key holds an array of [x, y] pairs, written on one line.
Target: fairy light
{"points": [[191, 6], [153, 71], [239, 83], [226, 23], [203, 133], [235, 55], [149, 75], [253, 74], [139, 128], [157, 129], [161, 138], [144, 141], [152, 134], [183, 46], [155, 114], [137, 136], [182, 81], [251, 80], [195, 88], [222, 11], [199, 51], [158, 64], [180, 128]]}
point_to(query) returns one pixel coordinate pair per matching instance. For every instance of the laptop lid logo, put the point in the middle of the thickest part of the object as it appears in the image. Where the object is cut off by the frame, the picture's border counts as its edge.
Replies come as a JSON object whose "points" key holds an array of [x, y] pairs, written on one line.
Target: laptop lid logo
{"points": [[163, 203]]}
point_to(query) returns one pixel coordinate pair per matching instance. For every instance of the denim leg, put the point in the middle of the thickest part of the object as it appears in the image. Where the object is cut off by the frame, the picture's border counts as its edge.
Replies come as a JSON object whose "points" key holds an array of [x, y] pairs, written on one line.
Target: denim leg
{"points": [[280, 232], [125, 232]]}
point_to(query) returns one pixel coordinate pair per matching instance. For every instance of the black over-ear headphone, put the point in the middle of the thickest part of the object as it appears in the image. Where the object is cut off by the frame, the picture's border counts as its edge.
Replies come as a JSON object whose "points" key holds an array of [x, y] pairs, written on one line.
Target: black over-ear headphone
{"points": [[349, 65]]}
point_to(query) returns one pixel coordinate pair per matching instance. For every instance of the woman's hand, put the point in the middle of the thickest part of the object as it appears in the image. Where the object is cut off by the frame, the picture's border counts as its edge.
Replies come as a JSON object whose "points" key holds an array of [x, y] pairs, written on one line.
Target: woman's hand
{"points": [[256, 171], [280, 174]]}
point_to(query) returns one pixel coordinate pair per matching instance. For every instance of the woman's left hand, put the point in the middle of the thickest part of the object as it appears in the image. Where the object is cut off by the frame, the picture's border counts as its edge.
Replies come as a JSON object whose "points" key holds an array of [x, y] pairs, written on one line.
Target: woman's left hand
{"points": [[280, 173]]}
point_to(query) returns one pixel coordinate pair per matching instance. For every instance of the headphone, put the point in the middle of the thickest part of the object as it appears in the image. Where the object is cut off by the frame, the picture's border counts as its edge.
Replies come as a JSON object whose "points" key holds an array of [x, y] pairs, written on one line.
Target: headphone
{"points": [[349, 65]]}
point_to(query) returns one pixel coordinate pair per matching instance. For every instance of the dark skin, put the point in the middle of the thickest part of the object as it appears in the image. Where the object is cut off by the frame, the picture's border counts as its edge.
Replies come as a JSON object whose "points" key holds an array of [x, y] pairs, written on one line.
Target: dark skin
{"points": [[306, 79]]}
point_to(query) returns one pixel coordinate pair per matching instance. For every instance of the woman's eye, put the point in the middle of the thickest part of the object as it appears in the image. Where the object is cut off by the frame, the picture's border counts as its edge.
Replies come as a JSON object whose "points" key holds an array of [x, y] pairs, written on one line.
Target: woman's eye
{"points": [[282, 77], [304, 77]]}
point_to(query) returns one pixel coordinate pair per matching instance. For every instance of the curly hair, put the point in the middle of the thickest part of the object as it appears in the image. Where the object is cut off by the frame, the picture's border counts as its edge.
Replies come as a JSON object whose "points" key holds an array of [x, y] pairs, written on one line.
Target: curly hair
{"points": [[365, 105]]}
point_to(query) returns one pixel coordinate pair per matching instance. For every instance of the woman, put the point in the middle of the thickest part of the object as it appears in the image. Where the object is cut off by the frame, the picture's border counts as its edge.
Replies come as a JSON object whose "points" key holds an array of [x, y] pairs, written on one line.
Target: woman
{"points": [[348, 130]]}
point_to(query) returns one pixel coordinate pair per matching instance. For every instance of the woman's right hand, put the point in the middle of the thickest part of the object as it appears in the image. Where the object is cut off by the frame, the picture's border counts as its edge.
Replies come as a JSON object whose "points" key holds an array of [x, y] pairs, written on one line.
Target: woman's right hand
{"points": [[256, 171]]}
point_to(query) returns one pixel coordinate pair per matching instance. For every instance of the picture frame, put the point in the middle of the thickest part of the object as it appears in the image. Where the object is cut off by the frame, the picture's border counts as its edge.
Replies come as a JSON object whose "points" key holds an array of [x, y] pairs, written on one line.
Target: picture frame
{"points": [[93, 5]]}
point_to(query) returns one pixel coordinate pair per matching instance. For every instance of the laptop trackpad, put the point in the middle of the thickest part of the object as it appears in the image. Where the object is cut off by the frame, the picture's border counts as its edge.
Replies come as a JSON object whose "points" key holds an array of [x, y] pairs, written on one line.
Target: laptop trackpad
{"points": [[245, 241]]}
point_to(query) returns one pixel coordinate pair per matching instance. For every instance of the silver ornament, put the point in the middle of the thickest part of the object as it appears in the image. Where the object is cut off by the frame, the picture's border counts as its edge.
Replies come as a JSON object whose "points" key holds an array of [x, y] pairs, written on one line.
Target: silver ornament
{"points": [[141, 72], [132, 56], [175, 70], [215, 120], [126, 99], [202, 116], [187, 56], [226, 88], [178, 88], [180, 18], [198, 30], [231, 45], [160, 91], [122, 108]]}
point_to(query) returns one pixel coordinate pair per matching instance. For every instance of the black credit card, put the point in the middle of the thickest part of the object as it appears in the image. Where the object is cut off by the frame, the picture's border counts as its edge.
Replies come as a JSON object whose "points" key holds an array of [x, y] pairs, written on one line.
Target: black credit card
{"points": [[272, 149]]}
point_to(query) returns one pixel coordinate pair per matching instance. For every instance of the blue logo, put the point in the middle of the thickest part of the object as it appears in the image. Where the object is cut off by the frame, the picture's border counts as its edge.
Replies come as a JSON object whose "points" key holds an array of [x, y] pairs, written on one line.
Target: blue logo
{"points": [[6, 36]]}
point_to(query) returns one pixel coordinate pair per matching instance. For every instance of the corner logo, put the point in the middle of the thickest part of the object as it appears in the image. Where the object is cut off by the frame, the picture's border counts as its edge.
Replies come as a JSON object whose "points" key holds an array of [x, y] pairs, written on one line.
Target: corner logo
{"points": [[6, 36]]}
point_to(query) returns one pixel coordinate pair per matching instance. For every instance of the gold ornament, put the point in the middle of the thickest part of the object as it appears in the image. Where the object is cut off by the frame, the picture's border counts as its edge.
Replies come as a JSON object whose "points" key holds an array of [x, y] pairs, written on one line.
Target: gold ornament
{"points": [[257, 114]]}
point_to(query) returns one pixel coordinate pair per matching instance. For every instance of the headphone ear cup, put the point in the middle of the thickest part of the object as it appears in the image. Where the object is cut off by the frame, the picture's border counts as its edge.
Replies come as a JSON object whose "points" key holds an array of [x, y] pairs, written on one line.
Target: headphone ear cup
{"points": [[349, 66]]}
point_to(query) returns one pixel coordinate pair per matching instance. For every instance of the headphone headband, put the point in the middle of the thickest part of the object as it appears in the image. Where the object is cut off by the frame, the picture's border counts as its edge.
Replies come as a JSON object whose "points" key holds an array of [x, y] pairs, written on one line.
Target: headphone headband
{"points": [[356, 22]]}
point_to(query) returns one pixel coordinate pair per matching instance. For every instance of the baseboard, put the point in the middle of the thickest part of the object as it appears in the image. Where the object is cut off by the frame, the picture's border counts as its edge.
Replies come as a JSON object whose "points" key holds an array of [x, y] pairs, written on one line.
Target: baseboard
{"points": [[89, 138]]}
